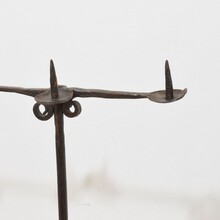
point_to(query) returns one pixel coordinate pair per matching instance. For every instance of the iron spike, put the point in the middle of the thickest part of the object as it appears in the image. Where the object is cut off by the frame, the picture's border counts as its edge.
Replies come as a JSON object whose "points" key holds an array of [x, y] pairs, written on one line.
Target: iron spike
{"points": [[53, 81], [169, 84]]}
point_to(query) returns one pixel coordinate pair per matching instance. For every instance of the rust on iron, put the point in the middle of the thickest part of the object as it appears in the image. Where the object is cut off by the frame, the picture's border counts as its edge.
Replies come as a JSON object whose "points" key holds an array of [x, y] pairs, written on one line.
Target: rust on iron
{"points": [[58, 101]]}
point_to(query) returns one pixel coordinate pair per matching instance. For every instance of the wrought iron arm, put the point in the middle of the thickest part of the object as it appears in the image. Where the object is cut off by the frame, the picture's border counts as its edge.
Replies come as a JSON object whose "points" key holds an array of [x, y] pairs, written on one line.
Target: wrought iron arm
{"points": [[161, 96], [157, 96], [20, 90]]}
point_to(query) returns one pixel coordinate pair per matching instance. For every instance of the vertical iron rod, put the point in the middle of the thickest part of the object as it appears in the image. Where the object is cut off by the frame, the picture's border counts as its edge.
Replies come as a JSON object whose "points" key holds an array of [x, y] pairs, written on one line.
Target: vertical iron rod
{"points": [[61, 163]]}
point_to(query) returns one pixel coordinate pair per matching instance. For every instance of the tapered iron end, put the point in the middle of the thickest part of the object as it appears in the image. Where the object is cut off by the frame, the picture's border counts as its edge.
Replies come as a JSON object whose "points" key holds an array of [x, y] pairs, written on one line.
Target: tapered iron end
{"points": [[53, 81], [169, 94], [169, 83]]}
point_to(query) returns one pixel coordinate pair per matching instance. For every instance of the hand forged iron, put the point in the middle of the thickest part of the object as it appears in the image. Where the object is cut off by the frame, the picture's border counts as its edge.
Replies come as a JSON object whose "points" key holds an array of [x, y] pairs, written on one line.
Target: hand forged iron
{"points": [[58, 100]]}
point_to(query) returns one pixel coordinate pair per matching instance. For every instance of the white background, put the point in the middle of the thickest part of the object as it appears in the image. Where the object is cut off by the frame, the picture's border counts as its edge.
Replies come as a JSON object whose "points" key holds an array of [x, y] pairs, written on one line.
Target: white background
{"points": [[126, 159]]}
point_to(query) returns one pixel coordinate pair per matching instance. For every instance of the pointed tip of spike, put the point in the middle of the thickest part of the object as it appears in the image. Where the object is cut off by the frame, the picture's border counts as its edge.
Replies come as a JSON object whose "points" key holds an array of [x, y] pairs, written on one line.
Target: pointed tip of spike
{"points": [[52, 68], [52, 71], [167, 66], [53, 81], [51, 62], [169, 83]]}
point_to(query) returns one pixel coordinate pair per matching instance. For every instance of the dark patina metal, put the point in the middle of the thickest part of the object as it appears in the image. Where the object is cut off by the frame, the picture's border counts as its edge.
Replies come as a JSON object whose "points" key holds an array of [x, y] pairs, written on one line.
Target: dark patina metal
{"points": [[58, 101]]}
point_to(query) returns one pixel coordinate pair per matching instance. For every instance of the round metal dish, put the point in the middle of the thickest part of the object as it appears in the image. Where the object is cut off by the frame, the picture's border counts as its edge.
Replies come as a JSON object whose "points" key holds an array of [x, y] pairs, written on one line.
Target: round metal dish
{"points": [[160, 96], [45, 98]]}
